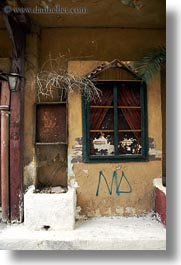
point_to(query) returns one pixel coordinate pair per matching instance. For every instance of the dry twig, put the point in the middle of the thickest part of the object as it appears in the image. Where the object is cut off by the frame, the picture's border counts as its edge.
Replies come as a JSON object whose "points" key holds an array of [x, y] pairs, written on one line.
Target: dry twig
{"points": [[57, 79]]}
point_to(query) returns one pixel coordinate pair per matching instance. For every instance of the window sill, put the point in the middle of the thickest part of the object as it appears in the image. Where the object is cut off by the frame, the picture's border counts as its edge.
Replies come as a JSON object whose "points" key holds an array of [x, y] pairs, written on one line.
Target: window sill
{"points": [[115, 159]]}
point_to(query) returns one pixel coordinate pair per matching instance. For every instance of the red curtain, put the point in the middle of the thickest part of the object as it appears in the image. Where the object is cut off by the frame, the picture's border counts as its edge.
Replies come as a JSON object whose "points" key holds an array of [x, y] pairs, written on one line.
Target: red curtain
{"points": [[127, 96], [130, 96], [98, 115]]}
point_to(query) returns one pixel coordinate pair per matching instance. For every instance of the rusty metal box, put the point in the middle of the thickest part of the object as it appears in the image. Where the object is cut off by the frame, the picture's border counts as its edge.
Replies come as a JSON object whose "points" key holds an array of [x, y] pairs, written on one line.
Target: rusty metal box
{"points": [[51, 123]]}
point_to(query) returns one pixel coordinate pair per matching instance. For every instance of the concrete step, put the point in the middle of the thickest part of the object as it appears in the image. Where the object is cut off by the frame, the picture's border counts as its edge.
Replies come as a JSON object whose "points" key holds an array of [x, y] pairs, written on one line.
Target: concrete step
{"points": [[102, 233]]}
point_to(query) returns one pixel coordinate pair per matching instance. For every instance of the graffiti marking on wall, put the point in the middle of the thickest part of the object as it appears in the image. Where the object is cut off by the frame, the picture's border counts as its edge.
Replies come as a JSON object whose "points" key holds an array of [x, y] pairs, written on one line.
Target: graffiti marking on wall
{"points": [[117, 183]]}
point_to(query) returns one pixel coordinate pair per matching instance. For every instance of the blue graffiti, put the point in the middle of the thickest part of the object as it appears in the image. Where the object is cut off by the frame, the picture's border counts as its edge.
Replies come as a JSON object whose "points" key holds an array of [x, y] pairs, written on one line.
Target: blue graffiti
{"points": [[114, 180]]}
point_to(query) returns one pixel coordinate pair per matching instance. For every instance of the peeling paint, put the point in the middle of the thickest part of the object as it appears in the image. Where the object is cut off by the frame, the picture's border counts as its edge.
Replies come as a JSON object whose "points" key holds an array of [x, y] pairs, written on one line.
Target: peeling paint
{"points": [[73, 183], [119, 210], [108, 211], [85, 171], [70, 167], [154, 154], [97, 213], [71, 175], [79, 216], [77, 151], [30, 172], [129, 211], [151, 142], [77, 212]]}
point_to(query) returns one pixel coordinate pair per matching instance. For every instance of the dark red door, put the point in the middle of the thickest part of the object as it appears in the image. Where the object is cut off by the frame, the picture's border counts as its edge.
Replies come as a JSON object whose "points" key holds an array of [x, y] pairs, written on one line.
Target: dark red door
{"points": [[0, 146]]}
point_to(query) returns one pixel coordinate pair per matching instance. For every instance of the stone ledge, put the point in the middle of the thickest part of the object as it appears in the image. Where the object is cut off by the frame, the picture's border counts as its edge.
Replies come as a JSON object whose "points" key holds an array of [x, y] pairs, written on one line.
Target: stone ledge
{"points": [[101, 233], [50, 211]]}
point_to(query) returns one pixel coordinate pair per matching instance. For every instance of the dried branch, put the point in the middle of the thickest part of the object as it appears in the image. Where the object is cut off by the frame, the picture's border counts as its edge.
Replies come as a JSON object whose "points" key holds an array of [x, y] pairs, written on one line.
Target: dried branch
{"points": [[48, 81]]}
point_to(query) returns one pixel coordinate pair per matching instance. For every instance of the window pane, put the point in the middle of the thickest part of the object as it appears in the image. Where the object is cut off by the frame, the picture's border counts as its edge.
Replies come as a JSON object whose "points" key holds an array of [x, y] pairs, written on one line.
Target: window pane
{"points": [[129, 119], [123, 130], [129, 143], [102, 143], [106, 96], [129, 94], [101, 119]]}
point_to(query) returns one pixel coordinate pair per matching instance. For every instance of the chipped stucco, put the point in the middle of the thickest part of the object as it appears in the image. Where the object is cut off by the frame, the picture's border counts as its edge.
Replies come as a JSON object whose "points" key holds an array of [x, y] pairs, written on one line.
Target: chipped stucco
{"points": [[77, 150], [70, 167], [30, 172], [154, 153]]}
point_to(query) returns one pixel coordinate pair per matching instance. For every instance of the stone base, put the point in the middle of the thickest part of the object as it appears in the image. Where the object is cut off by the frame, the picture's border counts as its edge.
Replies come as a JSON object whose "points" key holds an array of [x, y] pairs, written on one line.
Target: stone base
{"points": [[102, 233], [160, 200], [50, 211]]}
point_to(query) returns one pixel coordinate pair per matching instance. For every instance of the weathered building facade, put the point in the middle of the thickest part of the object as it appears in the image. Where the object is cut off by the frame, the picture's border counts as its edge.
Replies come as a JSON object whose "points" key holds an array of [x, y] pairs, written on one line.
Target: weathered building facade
{"points": [[61, 143]]}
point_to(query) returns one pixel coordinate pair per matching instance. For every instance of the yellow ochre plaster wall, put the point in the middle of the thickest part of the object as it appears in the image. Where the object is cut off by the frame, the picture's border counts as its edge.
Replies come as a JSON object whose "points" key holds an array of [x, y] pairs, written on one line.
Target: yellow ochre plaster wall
{"points": [[86, 48], [139, 174]]}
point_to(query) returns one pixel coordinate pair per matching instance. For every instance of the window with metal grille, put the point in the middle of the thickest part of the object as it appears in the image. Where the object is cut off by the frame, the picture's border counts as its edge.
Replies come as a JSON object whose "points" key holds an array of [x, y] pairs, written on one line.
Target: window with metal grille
{"points": [[115, 126]]}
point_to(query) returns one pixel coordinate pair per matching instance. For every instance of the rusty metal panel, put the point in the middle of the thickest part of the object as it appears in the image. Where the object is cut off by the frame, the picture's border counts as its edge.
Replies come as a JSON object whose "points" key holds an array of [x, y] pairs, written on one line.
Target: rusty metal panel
{"points": [[51, 123], [4, 149], [16, 157], [5, 165]]}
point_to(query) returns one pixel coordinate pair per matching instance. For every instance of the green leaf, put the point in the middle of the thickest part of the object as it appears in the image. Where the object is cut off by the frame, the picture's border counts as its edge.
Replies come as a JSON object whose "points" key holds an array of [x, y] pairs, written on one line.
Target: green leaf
{"points": [[147, 66]]}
